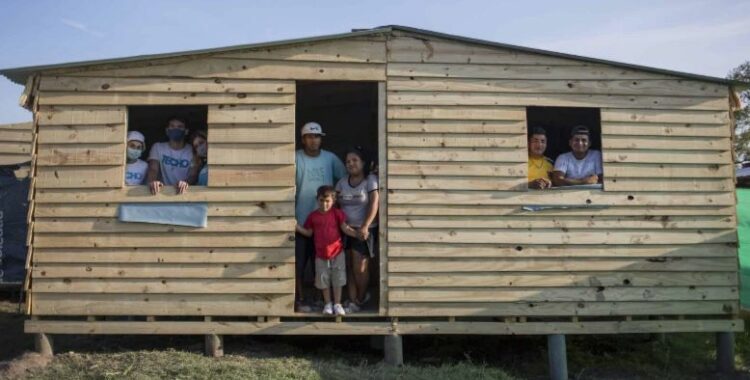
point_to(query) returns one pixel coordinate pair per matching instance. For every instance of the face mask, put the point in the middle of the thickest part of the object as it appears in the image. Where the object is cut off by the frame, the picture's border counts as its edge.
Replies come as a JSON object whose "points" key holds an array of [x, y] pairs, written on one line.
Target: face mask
{"points": [[176, 134], [134, 154], [202, 150]]}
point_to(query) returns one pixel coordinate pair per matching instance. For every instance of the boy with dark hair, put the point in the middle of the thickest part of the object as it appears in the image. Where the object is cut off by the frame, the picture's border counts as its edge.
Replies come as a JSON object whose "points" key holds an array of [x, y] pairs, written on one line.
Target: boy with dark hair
{"points": [[324, 225], [539, 165]]}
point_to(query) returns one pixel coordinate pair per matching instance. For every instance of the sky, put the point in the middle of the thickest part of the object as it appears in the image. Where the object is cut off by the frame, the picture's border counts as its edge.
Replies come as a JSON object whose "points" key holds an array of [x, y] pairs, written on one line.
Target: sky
{"points": [[702, 37]]}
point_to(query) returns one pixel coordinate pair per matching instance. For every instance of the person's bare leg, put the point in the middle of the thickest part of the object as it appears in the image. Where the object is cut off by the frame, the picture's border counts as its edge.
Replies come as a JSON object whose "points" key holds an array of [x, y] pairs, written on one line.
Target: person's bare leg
{"points": [[327, 295], [351, 284], [336, 294], [298, 285], [362, 276]]}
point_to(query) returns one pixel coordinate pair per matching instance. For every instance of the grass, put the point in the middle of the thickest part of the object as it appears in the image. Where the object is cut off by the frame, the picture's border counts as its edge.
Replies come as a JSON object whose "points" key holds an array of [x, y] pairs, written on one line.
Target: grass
{"points": [[680, 356]]}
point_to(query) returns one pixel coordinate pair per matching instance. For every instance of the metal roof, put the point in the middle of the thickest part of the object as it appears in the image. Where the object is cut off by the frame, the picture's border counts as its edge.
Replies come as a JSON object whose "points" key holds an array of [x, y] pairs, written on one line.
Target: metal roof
{"points": [[19, 74]]}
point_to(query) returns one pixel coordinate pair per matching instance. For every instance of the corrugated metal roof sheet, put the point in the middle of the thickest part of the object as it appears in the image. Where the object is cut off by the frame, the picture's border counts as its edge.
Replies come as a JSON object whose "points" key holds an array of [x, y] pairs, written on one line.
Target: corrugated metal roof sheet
{"points": [[19, 74]]}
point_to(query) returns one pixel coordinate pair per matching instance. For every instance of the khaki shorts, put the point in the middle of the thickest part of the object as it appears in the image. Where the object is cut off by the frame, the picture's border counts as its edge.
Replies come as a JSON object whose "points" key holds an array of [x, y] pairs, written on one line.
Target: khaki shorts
{"points": [[330, 272]]}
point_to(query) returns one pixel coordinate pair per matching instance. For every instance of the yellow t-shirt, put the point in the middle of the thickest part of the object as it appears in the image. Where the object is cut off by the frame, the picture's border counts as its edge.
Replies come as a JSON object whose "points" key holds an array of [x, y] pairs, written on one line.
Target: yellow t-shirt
{"points": [[539, 167]]}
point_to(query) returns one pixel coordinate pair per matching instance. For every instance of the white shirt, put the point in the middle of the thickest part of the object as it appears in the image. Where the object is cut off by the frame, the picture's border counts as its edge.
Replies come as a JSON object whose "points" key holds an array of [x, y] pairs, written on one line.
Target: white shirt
{"points": [[574, 168], [135, 173], [174, 165]]}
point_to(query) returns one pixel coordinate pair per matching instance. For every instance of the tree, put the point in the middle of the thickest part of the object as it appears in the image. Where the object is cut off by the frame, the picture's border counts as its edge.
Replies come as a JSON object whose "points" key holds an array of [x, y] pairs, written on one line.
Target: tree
{"points": [[742, 116]]}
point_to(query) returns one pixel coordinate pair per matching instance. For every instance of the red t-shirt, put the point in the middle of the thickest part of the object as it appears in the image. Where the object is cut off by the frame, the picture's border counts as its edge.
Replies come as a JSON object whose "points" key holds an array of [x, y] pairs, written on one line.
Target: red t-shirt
{"points": [[326, 232]]}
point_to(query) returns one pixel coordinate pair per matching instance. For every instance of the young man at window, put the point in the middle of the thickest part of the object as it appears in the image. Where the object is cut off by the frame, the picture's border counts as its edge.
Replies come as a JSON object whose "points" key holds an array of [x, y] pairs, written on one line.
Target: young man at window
{"points": [[172, 163], [580, 166], [540, 166]]}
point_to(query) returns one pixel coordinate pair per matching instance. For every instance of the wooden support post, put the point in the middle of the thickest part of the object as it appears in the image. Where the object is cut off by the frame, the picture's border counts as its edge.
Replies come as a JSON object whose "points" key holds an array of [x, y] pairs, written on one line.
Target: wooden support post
{"points": [[43, 344], [558, 361], [393, 350], [214, 344], [725, 352]]}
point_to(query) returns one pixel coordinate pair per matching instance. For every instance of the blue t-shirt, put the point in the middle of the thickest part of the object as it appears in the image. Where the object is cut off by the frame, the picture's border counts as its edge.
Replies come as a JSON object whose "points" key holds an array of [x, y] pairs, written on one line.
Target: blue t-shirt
{"points": [[203, 176], [312, 173]]}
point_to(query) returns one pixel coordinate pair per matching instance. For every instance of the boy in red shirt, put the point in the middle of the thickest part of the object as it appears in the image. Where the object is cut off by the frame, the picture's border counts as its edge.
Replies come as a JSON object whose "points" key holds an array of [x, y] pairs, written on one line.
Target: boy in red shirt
{"points": [[325, 225]]}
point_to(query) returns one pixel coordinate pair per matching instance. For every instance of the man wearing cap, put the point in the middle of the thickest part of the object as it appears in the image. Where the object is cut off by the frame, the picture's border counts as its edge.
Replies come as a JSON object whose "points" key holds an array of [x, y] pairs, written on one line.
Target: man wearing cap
{"points": [[580, 166], [172, 163], [315, 168], [135, 171], [539, 165]]}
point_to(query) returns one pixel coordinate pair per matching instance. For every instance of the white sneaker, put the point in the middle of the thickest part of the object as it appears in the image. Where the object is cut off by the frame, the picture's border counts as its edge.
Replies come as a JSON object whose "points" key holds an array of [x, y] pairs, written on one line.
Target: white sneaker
{"points": [[338, 309], [328, 309]]}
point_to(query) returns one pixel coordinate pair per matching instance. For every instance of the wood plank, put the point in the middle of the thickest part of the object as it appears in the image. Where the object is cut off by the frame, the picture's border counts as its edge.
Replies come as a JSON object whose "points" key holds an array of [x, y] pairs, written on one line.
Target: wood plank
{"points": [[590, 294], [454, 140], [458, 154], [500, 71], [378, 328], [15, 147], [548, 309], [493, 265], [562, 222], [195, 271], [215, 224], [82, 134], [249, 69], [13, 159], [251, 154], [112, 84], [408, 49], [509, 281], [251, 133], [163, 255], [438, 250], [251, 175], [80, 177], [665, 129], [349, 50], [24, 126], [457, 183], [162, 304], [557, 100], [151, 98], [645, 170], [61, 115], [466, 210], [457, 126], [565, 198], [82, 210], [705, 143], [561, 236], [482, 169], [670, 87], [15, 135], [457, 113], [667, 156], [247, 114], [81, 154], [670, 184], [175, 240], [665, 116], [141, 194], [158, 286]]}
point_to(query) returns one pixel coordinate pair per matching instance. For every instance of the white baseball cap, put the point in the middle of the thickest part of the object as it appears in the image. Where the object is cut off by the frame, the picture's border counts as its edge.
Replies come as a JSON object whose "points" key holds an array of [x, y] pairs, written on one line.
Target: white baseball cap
{"points": [[312, 128], [136, 136]]}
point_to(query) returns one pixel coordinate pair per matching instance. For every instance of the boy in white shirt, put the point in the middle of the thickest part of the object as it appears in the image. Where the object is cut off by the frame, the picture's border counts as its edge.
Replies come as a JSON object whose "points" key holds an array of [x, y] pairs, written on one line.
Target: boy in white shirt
{"points": [[580, 166], [135, 171], [172, 163]]}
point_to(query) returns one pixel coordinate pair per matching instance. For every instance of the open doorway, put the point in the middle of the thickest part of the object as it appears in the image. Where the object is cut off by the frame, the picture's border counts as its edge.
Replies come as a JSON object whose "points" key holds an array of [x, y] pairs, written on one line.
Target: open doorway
{"points": [[348, 114]]}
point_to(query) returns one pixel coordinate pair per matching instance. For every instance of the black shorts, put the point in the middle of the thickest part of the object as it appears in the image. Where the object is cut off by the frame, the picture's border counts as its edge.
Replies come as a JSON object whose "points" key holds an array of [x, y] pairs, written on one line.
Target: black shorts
{"points": [[368, 247]]}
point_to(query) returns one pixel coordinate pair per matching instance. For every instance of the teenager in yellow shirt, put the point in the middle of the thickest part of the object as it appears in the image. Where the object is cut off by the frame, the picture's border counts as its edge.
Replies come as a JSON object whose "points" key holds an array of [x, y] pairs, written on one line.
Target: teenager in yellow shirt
{"points": [[539, 166]]}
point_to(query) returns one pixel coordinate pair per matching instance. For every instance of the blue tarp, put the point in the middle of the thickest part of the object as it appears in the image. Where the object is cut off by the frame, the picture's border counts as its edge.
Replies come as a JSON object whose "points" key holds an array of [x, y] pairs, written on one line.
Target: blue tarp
{"points": [[14, 205], [180, 214]]}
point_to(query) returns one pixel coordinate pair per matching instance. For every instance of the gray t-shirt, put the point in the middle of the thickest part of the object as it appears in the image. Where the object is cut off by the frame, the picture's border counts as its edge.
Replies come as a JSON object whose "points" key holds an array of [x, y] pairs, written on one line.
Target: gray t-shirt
{"points": [[312, 173], [174, 165], [354, 200], [135, 173]]}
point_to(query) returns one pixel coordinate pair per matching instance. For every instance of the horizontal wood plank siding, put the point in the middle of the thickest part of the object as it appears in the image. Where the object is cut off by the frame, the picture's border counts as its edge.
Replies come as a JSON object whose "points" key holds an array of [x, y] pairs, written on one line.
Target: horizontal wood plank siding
{"points": [[465, 236]]}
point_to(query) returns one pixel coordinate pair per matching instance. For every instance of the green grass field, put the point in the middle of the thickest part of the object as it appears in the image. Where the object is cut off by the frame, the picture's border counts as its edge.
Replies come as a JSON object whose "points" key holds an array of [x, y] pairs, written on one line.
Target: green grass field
{"points": [[681, 356]]}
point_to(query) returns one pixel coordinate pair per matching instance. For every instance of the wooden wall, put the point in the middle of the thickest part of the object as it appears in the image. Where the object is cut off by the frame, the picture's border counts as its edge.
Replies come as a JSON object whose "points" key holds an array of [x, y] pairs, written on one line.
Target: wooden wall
{"points": [[659, 239], [87, 263], [15, 143]]}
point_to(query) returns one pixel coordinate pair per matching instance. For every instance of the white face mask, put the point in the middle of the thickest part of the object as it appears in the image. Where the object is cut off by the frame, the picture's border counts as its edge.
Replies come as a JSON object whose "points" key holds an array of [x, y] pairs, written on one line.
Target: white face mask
{"points": [[134, 154]]}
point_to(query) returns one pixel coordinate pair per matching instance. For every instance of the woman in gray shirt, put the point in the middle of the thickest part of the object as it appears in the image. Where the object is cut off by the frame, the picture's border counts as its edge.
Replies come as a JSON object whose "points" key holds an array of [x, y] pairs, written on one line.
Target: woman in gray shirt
{"points": [[358, 198]]}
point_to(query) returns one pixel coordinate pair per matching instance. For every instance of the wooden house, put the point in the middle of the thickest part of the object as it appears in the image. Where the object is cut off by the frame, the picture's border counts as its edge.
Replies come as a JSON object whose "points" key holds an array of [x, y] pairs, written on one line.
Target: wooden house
{"points": [[465, 247]]}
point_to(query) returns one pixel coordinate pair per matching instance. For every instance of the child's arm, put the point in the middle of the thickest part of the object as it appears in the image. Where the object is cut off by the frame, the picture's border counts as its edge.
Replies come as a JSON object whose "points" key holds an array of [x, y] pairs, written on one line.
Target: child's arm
{"points": [[306, 232], [348, 230]]}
